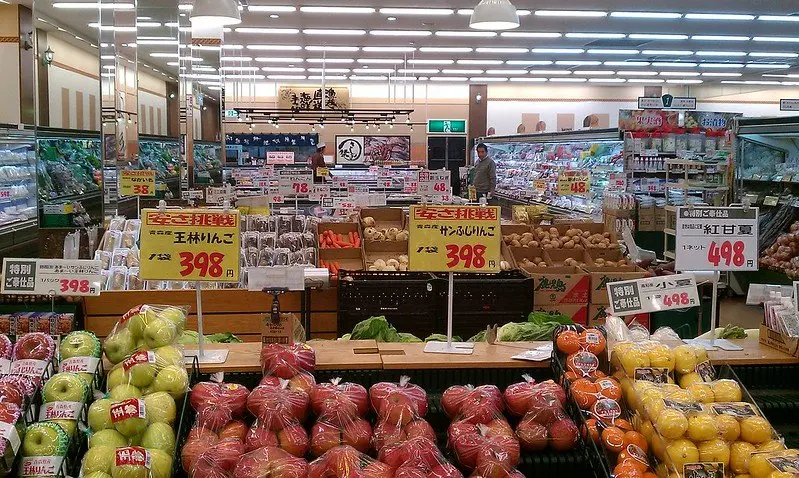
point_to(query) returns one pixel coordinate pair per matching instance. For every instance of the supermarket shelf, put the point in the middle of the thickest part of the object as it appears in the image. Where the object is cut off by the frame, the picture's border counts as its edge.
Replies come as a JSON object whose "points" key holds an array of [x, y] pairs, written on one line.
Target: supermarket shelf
{"points": [[701, 188], [671, 208], [552, 208], [72, 197]]}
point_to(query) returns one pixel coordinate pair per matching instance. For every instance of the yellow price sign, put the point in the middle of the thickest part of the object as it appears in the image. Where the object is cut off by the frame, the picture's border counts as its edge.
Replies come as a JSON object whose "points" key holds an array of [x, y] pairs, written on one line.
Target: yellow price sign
{"points": [[137, 182], [574, 182], [455, 239], [322, 172], [190, 245], [540, 185]]}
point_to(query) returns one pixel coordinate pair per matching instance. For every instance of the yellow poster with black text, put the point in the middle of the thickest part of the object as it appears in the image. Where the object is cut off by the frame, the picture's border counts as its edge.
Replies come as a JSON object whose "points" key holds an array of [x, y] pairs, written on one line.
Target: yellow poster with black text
{"points": [[574, 182], [190, 245], [455, 239], [137, 182]]}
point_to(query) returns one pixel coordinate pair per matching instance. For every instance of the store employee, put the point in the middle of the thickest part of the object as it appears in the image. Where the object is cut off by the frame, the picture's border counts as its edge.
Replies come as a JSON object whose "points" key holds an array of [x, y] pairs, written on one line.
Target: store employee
{"points": [[485, 176], [318, 161]]}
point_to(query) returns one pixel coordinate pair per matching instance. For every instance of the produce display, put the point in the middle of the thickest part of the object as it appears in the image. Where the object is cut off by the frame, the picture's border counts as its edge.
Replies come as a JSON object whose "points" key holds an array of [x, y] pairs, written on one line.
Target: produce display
{"points": [[118, 253], [372, 233], [161, 156], [68, 167], [278, 240], [330, 240], [397, 263], [18, 175], [783, 254]]}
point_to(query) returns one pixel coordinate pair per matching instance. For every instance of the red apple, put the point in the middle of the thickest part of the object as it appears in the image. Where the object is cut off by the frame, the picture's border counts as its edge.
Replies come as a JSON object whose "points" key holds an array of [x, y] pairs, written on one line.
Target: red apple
{"points": [[445, 470], [207, 469], [192, 449], [454, 397], [479, 409], [35, 345], [398, 409], [517, 397], [345, 461], [265, 399], [231, 394], [494, 468], [294, 440], [420, 428], [214, 416], [287, 361], [459, 428], [338, 392], [498, 426], [10, 393], [302, 382], [532, 436], [555, 390], [324, 437], [387, 434], [504, 449], [235, 429], [466, 448], [222, 455], [380, 391], [563, 434], [259, 436], [357, 434], [270, 462], [198, 432], [410, 472], [377, 470]]}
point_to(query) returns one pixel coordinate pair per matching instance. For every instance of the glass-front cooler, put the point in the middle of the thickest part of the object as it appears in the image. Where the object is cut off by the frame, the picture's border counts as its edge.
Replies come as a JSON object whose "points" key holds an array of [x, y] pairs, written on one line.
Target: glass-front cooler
{"points": [[207, 163], [162, 154], [767, 160]]}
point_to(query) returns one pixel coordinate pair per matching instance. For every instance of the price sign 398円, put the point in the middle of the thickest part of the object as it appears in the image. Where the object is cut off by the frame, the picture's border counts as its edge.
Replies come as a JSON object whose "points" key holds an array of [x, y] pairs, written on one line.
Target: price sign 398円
{"points": [[717, 239], [454, 239], [190, 245]]}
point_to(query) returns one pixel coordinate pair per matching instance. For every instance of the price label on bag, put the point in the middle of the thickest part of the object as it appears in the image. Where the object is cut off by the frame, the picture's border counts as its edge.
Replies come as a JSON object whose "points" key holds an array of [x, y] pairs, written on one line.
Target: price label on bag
{"points": [[454, 238], [190, 245], [574, 182], [540, 185], [137, 182], [652, 294], [63, 277], [717, 239], [295, 183]]}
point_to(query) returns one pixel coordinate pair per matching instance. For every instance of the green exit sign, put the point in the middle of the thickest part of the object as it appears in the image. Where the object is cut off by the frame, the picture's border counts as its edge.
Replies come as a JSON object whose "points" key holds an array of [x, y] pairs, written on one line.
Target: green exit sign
{"points": [[231, 114], [446, 126]]}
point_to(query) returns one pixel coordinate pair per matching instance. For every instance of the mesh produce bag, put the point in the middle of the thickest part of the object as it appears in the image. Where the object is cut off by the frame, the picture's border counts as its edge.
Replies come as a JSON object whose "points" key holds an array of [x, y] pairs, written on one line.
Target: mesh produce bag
{"points": [[386, 397], [347, 462]]}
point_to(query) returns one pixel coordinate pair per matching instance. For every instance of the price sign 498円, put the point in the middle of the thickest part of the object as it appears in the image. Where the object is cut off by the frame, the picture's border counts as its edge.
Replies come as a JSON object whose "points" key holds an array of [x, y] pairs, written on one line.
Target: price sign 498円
{"points": [[717, 239], [454, 239], [190, 245]]}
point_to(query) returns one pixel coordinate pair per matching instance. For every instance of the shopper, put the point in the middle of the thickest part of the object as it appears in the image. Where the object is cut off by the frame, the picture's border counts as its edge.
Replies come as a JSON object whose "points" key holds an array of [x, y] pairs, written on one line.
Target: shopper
{"points": [[318, 161], [485, 176]]}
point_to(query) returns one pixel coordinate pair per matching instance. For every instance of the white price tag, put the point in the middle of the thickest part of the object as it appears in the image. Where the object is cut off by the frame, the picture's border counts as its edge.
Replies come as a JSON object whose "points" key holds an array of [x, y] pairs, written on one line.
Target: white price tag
{"points": [[617, 183], [433, 183], [295, 183], [652, 294], [319, 192], [717, 239], [291, 278], [62, 277]]}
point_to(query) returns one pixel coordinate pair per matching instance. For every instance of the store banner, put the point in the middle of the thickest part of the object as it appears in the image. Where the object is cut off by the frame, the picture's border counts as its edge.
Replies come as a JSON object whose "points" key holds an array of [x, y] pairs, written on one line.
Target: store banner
{"points": [[137, 182], [264, 140], [710, 121], [652, 294], [190, 245], [455, 239], [58, 277], [648, 120], [717, 239]]}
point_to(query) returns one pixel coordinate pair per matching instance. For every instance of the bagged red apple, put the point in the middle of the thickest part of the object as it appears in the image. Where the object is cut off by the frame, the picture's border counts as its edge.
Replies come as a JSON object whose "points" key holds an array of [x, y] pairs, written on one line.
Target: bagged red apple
{"points": [[417, 456], [286, 361], [387, 397], [336, 392], [527, 395], [144, 327], [398, 425], [548, 427], [456, 397], [232, 395], [267, 402], [277, 430], [302, 381], [472, 443], [218, 460], [340, 425], [347, 462], [271, 462]]}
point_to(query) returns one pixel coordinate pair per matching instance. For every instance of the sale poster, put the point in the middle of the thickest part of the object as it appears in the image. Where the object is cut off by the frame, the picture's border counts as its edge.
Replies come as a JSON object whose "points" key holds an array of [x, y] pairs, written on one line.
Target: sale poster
{"points": [[717, 239]]}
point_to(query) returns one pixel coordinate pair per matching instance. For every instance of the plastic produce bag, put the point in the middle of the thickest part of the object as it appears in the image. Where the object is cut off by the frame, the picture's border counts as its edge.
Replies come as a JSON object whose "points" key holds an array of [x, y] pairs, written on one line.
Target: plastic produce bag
{"points": [[347, 462], [278, 403], [418, 457], [386, 397], [145, 327], [327, 395], [340, 426], [279, 430], [158, 370], [459, 397], [547, 427], [527, 395], [475, 444], [397, 427], [271, 461], [285, 361]]}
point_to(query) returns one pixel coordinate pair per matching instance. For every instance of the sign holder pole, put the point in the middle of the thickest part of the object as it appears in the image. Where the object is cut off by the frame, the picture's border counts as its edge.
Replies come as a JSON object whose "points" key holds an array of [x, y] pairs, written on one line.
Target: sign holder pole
{"points": [[450, 347]]}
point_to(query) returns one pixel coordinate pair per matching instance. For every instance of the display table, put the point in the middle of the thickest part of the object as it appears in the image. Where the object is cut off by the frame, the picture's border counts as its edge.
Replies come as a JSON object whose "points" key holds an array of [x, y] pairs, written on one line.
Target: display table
{"points": [[413, 356]]}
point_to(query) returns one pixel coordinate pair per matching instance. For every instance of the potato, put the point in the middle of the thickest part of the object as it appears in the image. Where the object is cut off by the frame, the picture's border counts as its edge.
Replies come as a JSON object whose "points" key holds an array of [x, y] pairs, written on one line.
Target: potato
{"points": [[516, 244], [537, 260], [553, 231], [569, 245], [533, 244], [599, 261], [392, 262], [369, 221], [542, 264], [403, 259], [548, 246], [380, 264], [586, 234], [403, 267], [528, 235], [525, 240], [403, 236], [369, 232]]}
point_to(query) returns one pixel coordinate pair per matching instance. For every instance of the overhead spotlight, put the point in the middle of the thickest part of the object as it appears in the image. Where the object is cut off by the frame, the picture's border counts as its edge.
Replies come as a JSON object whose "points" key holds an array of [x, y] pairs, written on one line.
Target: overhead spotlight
{"points": [[367, 125], [293, 119], [494, 15]]}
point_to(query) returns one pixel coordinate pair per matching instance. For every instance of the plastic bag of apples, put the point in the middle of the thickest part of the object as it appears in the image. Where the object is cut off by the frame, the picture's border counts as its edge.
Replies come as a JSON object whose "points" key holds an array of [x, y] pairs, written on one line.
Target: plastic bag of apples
{"points": [[389, 397], [482, 437], [418, 457], [270, 461], [398, 425], [346, 462], [287, 361], [145, 327], [544, 421], [338, 425]]}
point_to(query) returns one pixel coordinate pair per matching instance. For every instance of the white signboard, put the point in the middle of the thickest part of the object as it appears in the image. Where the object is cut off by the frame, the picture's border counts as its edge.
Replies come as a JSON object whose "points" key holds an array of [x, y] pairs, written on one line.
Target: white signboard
{"points": [[192, 194], [676, 103], [789, 105], [219, 195], [617, 183], [295, 182], [278, 277], [350, 150], [434, 183], [717, 239], [60, 277], [280, 157], [319, 192], [653, 294]]}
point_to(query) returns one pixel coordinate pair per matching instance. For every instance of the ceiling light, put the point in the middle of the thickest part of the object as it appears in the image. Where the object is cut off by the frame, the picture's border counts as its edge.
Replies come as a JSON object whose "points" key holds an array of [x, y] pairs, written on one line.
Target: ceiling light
{"points": [[506, 72], [719, 38], [286, 77], [420, 71], [550, 72], [721, 53], [479, 62], [157, 42], [494, 15], [374, 71], [447, 33], [777, 39], [603, 51], [330, 60], [164, 55], [578, 62], [381, 61], [469, 11], [721, 65], [722, 74], [656, 36], [607, 80], [462, 72], [679, 64], [779, 18], [768, 66], [268, 31], [367, 78], [771, 75], [564, 51], [271, 8], [528, 79], [528, 62], [766, 54], [417, 11], [448, 78], [333, 31], [391, 19], [328, 77], [270, 59], [653, 15], [282, 69], [594, 72], [408, 78], [645, 80], [239, 68], [502, 50], [719, 16], [570, 13], [596, 35], [215, 13], [148, 24], [235, 58], [330, 48], [569, 80], [349, 10], [203, 68], [390, 49], [668, 52], [679, 73], [751, 82], [685, 82], [94, 6], [531, 34], [493, 79], [246, 77], [445, 49], [401, 33], [274, 47], [431, 62], [637, 73], [626, 63], [329, 70]]}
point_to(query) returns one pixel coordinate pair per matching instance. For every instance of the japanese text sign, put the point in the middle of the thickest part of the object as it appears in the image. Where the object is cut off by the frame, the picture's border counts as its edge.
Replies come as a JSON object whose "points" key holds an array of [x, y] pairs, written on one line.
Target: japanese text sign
{"points": [[617, 183], [653, 294], [63, 277], [295, 182], [434, 183], [717, 239], [574, 182], [455, 238], [137, 182], [190, 245], [280, 157], [540, 185]]}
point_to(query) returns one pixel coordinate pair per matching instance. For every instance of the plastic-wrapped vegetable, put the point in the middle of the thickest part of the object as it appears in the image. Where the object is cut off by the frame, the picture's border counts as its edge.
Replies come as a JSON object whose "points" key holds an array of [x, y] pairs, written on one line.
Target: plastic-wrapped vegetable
{"points": [[418, 457], [278, 403]]}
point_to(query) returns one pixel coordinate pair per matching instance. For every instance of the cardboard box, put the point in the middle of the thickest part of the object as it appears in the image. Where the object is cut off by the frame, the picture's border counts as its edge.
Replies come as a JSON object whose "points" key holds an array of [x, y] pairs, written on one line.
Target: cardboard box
{"points": [[560, 285], [385, 217], [660, 219], [373, 251], [776, 340], [613, 255], [619, 213], [598, 313], [646, 223], [348, 259], [601, 276], [646, 212], [619, 224], [577, 312], [531, 253]]}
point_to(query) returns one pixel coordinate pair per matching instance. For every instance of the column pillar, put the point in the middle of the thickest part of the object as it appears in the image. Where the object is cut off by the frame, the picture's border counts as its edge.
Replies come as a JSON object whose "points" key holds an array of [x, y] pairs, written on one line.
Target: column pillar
{"points": [[478, 116]]}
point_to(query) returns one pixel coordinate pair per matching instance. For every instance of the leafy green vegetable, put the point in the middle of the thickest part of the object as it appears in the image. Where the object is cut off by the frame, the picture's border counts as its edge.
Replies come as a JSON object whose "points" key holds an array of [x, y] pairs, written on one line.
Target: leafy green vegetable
{"points": [[732, 332], [191, 337], [375, 328], [408, 338], [479, 337], [543, 318], [345, 337], [521, 332], [442, 338]]}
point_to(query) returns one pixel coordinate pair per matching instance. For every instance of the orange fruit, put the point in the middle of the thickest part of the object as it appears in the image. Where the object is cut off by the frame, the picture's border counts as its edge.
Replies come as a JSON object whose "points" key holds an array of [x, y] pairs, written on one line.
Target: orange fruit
{"points": [[629, 473], [627, 463], [635, 438], [590, 430], [584, 392], [593, 341], [609, 388], [568, 342], [649, 474], [571, 376], [623, 424], [613, 439], [598, 374]]}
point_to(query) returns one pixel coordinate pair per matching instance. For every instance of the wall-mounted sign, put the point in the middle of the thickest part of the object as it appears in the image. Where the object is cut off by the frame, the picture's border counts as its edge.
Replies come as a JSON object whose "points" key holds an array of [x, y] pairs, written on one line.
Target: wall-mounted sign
{"points": [[789, 105], [280, 157], [668, 102], [375, 150], [446, 126], [231, 114], [310, 98]]}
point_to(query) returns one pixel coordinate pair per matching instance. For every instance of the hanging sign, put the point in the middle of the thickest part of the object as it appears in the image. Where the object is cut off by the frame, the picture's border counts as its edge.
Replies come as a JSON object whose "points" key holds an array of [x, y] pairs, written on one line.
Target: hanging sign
{"points": [[280, 157], [137, 182], [717, 239]]}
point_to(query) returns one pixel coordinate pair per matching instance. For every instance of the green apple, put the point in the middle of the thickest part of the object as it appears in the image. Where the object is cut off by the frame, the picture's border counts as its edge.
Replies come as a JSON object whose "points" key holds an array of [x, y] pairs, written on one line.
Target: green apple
{"points": [[159, 333], [176, 316], [172, 379], [169, 355], [124, 392], [142, 374], [65, 387], [161, 464], [131, 427], [159, 436], [100, 415], [80, 344], [116, 376], [137, 323], [69, 426], [45, 439], [97, 474], [119, 345], [106, 438], [160, 407], [99, 459]]}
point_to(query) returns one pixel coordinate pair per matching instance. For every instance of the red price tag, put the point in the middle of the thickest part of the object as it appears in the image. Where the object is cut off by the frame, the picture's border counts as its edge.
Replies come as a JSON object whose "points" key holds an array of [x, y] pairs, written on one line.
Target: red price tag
{"points": [[208, 265], [74, 285], [729, 253], [300, 188], [472, 256], [440, 187], [141, 189], [277, 198], [675, 300], [578, 188]]}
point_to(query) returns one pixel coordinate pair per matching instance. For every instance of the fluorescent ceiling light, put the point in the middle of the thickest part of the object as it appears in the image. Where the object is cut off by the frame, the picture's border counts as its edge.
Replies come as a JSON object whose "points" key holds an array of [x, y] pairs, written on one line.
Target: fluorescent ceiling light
{"points": [[448, 78], [202, 68], [164, 55], [445, 49], [328, 77], [768, 66], [719, 16], [531, 34], [148, 24], [550, 72], [685, 82], [751, 82], [431, 62], [578, 62], [348, 10], [235, 58], [607, 80], [329, 70], [527, 79], [409, 78], [563, 51], [479, 62], [93, 6], [239, 68], [470, 11], [462, 72], [679, 73], [381, 61], [330, 48], [719, 38], [268, 31], [502, 50], [637, 73], [656, 36], [645, 80], [367, 78], [274, 47], [271, 8], [401, 33], [390, 49], [779, 18], [420, 71], [626, 63], [777, 39], [374, 71], [596, 35], [570, 13], [721, 53], [157, 42], [330, 60], [494, 79], [569, 80], [679, 64], [603, 51], [286, 77], [766, 54], [185, 7], [272, 59], [333, 31], [772, 75], [214, 48], [668, 52], [594, 72], [721, 65], [448, 33], [718, 74], [506, 72], [528, 62], [245, 77], [652, 15], [417, 11], [282, 69]]}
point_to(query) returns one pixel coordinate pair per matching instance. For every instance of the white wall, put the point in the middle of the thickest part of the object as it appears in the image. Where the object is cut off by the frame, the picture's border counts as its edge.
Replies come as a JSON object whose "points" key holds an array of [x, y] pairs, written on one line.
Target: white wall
{"points": [[148, 125], [9, 83], [60, 78]]}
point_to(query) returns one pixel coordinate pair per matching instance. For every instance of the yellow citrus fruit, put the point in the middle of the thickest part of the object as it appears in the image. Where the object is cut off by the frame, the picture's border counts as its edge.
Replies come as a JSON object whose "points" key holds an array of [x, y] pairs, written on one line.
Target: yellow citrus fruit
{"points": [[701, 392], [689, 379], [726, 391], [740, 452], [671, 424], [659, 447], [772, 445], [702, 427], [663, 358], [684, 359], [682, 451], [715, 451], [647, 430], [781, 474], [759, 467], [681, 395], [728, 427], [755, 430], [633, 359]]}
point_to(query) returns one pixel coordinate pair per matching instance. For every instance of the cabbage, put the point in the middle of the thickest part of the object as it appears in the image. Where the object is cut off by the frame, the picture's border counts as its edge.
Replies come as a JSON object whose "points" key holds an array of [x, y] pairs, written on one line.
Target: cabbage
{"points": [[406, 337], [375, 328], [442, 338], [526, 331]]}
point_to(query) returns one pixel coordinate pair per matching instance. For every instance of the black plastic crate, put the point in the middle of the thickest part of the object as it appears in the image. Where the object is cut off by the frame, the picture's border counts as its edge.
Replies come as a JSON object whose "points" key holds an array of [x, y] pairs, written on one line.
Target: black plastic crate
{"points": [[408, 300]]}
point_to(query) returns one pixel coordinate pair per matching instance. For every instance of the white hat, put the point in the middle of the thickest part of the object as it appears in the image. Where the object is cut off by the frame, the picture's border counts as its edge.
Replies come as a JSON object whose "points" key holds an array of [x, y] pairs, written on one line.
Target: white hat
{"points": [[320, 145]]}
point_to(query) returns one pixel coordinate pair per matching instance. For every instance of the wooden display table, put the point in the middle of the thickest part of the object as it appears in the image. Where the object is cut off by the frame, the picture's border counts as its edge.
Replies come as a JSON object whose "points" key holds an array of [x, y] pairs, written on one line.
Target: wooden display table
{"points": [[413, 356]]}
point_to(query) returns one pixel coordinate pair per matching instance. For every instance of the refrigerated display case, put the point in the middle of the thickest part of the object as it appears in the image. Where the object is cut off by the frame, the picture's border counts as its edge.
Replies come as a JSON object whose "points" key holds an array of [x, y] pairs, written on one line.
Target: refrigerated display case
{"points": [[18, 198], [207, 162], [767, 160], [162, 154]]}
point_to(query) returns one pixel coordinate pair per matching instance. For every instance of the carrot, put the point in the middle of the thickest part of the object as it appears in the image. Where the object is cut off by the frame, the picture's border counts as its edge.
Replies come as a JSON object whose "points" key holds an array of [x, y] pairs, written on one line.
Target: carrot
{"points": [[352, 237]]}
